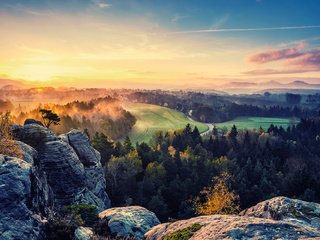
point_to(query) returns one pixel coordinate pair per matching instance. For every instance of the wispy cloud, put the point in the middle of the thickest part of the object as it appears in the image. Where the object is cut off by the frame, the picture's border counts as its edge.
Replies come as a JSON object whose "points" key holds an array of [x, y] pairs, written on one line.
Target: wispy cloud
{"points": [[310, 59], [244, 29], [177, 17], [218, 23], [101, 4]]}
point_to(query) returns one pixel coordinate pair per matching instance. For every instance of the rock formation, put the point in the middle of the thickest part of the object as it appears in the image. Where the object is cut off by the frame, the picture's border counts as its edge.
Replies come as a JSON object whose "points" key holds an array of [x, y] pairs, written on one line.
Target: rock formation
{"points": [[287, 209], [17, 221], [217, 227], [129, 221], [277, 218], [68, 164], [52, 174]]}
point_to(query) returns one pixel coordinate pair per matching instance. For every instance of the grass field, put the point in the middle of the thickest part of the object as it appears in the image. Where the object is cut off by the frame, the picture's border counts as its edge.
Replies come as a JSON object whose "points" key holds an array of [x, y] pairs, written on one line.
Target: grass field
{"points": [[256, 122], [152, 118]]}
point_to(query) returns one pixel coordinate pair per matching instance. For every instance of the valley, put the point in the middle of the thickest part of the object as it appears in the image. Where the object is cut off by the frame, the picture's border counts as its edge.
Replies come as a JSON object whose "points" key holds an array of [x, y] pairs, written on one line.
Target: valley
{"points": [[152, 118]]}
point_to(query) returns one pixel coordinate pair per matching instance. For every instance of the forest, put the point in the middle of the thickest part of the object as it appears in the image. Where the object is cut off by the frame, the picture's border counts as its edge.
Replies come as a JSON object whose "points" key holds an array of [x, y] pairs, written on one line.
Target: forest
{"points": [[104, 115], [170, 173]]}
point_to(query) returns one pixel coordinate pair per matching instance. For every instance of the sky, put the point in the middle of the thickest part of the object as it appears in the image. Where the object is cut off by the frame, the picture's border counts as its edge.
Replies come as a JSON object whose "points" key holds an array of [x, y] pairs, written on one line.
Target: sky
{"points": [[159, 44]]}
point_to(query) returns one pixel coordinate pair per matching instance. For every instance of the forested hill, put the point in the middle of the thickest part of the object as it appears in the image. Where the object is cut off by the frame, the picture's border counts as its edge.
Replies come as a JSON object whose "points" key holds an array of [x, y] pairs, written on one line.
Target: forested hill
{"points": [[169, 173], [205, 107]]}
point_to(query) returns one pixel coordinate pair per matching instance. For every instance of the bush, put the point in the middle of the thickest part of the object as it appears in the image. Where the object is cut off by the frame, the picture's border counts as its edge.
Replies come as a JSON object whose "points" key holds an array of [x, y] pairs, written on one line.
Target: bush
{"points": [[87, 213], [62, 226]]}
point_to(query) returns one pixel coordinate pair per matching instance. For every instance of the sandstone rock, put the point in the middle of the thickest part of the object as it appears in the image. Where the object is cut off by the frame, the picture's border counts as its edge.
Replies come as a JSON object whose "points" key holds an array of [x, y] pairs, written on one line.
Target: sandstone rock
{"points": [[32, 121], [41, 192], [217, 227], [33, 134], [80, 142], [129, 221], [83, 233], [55, 172], [66, 169], [287, 209], [29, 153], [65, 173], [16, 219], [94, 174]]}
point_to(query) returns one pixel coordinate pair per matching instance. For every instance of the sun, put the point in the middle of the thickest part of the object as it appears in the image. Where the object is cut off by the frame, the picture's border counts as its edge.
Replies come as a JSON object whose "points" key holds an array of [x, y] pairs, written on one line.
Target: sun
{"points": [[41, 73]]}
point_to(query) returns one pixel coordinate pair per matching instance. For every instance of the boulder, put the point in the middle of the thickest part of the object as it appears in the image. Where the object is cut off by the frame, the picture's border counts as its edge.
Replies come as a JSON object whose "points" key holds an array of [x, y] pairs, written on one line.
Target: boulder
{"points": [[17, 221], [83, 233], [287, 209], [217, 227], [132, 221]]}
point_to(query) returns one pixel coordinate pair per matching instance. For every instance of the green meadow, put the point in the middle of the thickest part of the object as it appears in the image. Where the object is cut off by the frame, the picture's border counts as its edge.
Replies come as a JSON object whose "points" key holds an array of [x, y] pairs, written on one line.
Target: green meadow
{"points": [[152, 118], [256, 122]]}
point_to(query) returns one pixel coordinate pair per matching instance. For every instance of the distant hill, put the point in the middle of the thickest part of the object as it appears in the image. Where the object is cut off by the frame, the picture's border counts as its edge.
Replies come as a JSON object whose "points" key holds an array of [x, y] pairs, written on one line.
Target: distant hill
{"points": [[11, 84], [252, 87]]}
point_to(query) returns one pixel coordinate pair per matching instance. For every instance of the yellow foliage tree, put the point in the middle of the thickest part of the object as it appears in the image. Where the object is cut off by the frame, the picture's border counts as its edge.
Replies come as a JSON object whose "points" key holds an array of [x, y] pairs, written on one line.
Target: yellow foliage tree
{"points": [[218, 198], [7, 145]]}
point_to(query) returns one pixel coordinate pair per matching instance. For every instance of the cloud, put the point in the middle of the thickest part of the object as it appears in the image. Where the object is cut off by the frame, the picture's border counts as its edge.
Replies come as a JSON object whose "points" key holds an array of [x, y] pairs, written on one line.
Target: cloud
{"points": [[278, 54], [101, 4], [244, 29], [220, 21], [310, 59], [295, 60], [279, 71], [177, 17]]}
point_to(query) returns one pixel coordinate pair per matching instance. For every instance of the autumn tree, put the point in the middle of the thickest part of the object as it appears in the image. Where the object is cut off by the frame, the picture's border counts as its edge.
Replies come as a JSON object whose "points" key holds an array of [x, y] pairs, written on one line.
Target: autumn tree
{"points": [[7, 144], [49, 117], [219, 199]]}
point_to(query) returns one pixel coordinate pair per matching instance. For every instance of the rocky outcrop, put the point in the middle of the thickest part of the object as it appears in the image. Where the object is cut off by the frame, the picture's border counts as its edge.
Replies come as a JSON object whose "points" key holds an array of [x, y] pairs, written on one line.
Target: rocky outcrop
{"points": [[69, 164], [132, 221], [65, 173], [17, 221], [217, 227], [287, 209], [276, 218], [53, 173], [90, 158]]}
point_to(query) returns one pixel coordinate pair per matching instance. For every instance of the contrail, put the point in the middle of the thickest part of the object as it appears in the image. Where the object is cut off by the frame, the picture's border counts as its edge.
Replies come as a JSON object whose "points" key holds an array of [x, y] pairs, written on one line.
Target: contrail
{"points": [[244, 29]]}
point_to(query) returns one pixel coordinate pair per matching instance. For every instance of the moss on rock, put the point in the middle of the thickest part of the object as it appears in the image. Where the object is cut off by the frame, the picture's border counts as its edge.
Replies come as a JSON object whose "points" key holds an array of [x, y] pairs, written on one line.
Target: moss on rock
{"points": [[184, 233]]}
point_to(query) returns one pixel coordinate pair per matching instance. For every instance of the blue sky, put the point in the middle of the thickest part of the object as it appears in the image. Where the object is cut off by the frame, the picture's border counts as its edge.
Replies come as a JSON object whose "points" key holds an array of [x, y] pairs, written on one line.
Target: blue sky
{"points": [[190, 30]]}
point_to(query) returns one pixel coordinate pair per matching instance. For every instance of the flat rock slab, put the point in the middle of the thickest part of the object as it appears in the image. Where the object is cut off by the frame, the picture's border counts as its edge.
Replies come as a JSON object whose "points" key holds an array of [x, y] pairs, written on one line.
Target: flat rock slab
{"points": [[235, 227]]}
